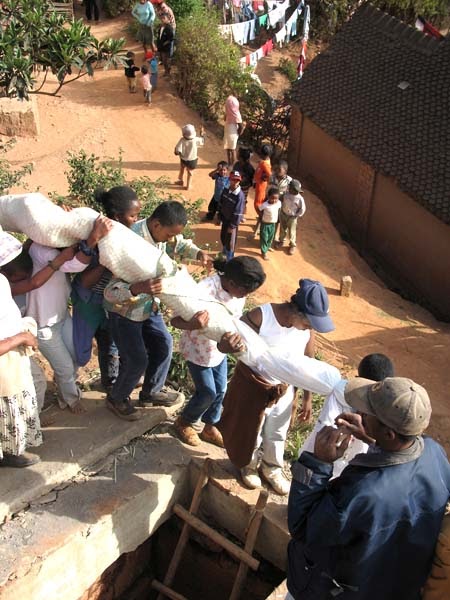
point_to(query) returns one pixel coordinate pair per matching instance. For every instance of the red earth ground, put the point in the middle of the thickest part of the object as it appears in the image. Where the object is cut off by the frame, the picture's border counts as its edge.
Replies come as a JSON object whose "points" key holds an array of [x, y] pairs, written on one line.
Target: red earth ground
{"points": [[100, 116]]}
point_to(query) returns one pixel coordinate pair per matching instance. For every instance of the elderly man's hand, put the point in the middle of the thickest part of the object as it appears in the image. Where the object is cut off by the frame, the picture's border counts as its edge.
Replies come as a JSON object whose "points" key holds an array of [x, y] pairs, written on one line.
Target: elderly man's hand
{"points": [[352, 423], [330, 444]]}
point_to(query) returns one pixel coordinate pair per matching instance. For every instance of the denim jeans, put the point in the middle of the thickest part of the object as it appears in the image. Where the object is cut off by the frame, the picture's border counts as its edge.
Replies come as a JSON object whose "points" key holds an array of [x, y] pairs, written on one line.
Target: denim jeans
{"points": [[144, 347], [108, 355], [210, 387], [56, 344]]}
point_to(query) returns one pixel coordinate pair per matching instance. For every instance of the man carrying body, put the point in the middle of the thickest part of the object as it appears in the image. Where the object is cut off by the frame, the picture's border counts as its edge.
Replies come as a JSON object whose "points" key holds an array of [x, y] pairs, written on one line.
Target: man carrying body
{"points": [[370, 533]]}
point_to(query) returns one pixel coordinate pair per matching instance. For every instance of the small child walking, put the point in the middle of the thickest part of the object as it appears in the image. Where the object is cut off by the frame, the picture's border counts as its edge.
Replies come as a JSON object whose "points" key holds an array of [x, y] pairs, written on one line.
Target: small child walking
{"points": [[293, 207], [247, 171], [186, 149], [152, 61], [221, 181], [146, 85], [230, 213], [269, 211], [130, 72], [261, 180]]}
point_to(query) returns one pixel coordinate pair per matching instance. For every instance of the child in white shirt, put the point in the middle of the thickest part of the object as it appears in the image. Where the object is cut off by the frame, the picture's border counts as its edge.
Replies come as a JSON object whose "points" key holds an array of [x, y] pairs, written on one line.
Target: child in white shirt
{"points": [[269, 211], [186, 149]]}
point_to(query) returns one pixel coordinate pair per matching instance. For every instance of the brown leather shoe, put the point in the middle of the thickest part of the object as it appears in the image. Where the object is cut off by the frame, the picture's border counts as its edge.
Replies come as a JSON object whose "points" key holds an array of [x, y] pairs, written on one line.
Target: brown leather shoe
{"points": [[186, 432], [212, 435]]}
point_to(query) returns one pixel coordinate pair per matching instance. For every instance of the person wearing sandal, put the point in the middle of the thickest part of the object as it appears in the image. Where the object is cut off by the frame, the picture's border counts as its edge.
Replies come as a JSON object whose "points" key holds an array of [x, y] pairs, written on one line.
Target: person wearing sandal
{"points": [[206, 360], [19, 418]]}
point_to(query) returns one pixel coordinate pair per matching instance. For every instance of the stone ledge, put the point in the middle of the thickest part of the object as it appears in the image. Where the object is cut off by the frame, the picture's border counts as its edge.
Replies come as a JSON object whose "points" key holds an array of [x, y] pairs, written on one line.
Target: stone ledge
{"points": [[19, 118]]}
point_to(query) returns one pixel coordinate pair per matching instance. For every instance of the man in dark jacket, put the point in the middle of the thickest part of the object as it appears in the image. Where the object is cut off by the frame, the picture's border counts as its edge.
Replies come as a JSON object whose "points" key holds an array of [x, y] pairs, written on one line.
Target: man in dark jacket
{"points": [[370, 533]]}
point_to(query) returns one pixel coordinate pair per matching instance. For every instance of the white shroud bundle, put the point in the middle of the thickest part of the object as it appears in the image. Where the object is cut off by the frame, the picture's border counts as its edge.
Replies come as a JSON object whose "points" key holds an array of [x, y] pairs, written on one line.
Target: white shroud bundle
{"points": [[133, 259]]}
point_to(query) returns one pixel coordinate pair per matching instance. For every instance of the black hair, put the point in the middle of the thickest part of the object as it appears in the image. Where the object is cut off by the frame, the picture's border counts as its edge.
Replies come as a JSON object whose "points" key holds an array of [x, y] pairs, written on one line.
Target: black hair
{"points": [[170, 213], [266, 150], [116, 201], [130, 54], [273, 190], [22, 263], [244, 153], [376, 367], [144, 70], [283, 164], [222, 163], [244, 271]]}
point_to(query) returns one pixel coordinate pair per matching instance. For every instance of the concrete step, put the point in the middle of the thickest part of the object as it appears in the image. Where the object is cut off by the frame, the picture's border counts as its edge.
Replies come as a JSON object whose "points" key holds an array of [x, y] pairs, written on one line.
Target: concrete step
{"points": [[59, 547], [71, 443]]}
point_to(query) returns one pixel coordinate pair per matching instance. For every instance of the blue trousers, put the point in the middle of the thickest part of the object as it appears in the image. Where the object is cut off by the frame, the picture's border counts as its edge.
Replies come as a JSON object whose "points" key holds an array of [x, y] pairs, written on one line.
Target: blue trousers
{"points": [[144, 347], [210, 387]]}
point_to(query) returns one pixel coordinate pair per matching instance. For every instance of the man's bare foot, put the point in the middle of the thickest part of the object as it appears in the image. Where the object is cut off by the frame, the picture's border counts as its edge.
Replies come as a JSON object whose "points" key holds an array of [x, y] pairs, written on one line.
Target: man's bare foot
{"points": [[47, 421], [78, 408]]}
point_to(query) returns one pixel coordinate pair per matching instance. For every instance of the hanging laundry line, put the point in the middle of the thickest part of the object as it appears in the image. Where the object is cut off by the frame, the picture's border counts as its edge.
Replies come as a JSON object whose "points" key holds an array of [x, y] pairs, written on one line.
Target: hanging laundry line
{"points": [[246, 31], [283, 36]]}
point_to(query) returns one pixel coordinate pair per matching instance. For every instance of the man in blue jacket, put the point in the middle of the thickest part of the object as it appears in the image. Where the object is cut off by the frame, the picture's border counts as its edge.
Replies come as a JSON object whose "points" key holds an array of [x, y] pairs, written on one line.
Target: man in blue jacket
{"points": [[370, 533]]}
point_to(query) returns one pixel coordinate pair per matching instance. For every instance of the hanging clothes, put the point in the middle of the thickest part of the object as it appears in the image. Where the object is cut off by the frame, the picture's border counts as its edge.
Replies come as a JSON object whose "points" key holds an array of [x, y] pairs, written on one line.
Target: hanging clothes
{"points": [[251, 33]]}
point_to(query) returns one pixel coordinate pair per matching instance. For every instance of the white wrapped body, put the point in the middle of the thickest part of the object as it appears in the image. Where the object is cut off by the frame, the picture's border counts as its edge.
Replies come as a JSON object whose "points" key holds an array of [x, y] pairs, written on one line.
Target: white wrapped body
{"points": [[132, 259]]}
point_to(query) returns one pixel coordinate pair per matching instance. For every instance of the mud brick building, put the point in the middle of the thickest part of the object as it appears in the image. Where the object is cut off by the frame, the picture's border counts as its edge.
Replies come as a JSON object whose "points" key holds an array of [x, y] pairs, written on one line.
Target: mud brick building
{"points": [[370, 132]]}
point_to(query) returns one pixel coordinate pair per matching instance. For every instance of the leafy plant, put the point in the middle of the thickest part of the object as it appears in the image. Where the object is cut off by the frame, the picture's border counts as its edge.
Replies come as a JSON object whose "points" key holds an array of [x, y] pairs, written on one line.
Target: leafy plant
{"points": [[207, 65], [288, 68], [8, 177], [36, 39], [87, 172], [300, 430]]}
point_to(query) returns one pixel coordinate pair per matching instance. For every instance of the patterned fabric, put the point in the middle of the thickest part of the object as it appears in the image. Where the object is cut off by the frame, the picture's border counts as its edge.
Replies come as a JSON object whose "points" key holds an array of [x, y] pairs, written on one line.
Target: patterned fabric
{"points": [[194, 346]]}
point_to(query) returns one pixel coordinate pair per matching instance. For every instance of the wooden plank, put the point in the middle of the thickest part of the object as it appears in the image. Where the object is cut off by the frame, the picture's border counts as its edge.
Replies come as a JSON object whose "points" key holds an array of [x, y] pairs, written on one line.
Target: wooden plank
{"points": [[164, 590], [250, 540], [216, 537]]}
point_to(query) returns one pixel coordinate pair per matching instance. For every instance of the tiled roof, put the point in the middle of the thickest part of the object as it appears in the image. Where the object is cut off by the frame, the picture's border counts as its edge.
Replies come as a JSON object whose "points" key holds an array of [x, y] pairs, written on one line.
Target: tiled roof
{"points": [[353, 92]]}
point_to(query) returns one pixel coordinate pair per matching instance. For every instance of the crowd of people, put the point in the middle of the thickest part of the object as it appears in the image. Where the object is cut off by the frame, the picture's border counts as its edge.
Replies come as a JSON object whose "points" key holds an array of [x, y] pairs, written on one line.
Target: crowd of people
{"points": [[369, 491]]}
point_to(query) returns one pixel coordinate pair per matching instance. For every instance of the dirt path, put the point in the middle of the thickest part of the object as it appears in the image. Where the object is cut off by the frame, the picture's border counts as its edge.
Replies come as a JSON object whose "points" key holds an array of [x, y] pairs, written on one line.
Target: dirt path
{"points": [[100, 116]]}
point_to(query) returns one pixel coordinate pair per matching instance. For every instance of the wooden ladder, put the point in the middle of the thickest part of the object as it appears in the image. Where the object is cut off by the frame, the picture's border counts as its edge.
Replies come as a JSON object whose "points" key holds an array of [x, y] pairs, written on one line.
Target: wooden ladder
{"points": [[190, 519]]}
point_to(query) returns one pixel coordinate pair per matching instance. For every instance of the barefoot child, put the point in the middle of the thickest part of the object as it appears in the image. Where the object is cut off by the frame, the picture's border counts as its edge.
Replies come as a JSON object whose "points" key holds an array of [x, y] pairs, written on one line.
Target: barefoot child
{"points": [[247, 171], [231, 284], [186, 149], [269, 211]]}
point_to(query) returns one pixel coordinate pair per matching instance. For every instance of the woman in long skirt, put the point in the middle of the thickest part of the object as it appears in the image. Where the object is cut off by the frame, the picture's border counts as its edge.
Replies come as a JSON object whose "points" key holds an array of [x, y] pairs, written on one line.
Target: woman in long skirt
{"points": [[19, 418]]}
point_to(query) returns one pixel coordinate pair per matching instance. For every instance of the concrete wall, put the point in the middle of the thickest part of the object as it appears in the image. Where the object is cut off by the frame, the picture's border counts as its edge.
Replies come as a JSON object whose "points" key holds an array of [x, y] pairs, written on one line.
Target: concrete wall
{"points": [[412, 245], [412, 242]]}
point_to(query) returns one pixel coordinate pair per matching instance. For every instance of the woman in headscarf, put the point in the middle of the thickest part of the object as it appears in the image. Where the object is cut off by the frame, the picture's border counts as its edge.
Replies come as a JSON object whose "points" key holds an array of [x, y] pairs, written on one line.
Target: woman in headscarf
{"points": [[19, 419]]}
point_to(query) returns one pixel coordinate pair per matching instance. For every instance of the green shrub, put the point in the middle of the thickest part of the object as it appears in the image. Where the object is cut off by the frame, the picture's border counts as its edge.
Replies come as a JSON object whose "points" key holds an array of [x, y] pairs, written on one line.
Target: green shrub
{"points": [[288, 68], [86, 173], [184, 8], [35, 38], [207, 65], [8, 177]]}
